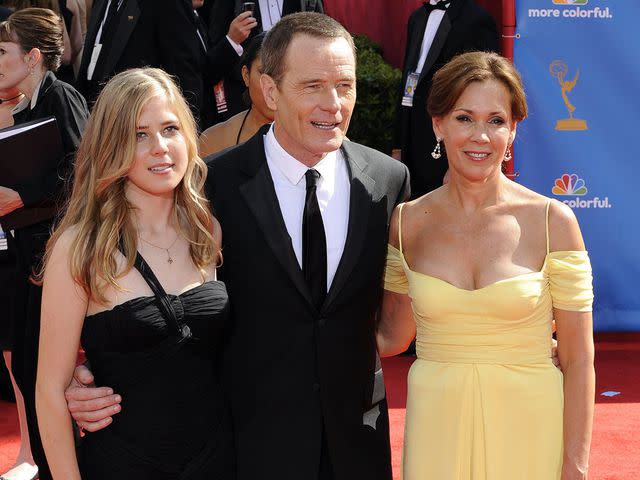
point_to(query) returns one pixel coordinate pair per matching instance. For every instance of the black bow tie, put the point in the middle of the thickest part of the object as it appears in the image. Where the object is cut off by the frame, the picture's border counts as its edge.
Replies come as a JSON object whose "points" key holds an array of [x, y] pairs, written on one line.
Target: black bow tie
{"points": [[438, 6]]}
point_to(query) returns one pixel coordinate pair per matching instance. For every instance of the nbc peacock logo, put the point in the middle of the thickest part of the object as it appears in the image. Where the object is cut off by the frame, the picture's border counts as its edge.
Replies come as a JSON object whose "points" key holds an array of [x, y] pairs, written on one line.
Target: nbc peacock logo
{"points": [[571, 185], [570, 2]]}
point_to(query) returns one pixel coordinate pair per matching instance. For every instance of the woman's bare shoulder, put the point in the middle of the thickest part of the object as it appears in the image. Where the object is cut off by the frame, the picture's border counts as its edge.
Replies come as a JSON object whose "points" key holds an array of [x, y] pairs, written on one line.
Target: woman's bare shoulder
{"points": [[220, 136]]}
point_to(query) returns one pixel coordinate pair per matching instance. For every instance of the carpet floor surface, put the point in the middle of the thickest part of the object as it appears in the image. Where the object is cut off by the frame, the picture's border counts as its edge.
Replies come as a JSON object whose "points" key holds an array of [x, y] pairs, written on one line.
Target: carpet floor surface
{"points": [[615, 450]]}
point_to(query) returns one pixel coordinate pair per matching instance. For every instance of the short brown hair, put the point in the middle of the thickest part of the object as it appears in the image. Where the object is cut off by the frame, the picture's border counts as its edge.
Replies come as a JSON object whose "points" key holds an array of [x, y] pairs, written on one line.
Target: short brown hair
{"points": [[39, 28], [450, 81], [277, 41]]}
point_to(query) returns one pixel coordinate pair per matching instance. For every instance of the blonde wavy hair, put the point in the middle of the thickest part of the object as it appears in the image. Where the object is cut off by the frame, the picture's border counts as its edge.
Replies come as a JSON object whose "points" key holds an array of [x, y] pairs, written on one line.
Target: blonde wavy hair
{"points": [[98, 210]]}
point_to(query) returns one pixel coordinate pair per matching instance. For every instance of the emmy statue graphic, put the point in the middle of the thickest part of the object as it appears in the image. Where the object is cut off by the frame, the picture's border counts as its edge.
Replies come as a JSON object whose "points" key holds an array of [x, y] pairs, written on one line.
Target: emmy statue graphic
{"points": [[559, 69]]}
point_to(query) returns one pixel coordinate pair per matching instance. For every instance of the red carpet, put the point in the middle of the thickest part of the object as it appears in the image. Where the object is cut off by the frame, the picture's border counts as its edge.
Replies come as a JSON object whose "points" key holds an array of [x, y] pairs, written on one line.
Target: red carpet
{"points": [[615, 452]]}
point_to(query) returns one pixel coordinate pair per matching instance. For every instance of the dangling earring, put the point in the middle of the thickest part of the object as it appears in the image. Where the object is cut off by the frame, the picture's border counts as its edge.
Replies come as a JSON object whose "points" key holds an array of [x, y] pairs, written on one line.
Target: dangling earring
{"points": [[436, 151], [507, 154]]}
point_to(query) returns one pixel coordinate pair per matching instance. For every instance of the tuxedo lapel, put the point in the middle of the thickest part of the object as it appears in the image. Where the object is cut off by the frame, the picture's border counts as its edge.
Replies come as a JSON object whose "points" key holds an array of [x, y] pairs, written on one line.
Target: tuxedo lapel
{"points": [[415, 42], [456, 7], [97, 13], [260, 195], [361, 188], [436, 46], [126, 23]]}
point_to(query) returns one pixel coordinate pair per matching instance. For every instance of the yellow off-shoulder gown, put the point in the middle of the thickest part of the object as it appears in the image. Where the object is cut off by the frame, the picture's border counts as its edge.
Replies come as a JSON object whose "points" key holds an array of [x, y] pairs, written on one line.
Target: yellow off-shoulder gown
{"points": [[484, 399]]}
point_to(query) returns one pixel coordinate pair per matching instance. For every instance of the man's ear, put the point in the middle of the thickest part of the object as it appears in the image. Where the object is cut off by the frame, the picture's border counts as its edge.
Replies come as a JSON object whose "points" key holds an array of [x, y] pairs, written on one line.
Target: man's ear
{"points": [[269, 91]]}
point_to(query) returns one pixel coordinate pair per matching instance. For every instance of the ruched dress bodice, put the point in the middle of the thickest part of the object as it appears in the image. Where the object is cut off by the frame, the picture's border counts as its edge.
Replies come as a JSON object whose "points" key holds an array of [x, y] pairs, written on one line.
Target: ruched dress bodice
{"points": [[485, 401], [172, 405]]}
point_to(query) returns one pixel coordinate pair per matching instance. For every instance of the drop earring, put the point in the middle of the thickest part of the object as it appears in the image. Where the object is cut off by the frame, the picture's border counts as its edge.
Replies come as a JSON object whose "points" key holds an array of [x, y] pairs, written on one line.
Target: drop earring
{"points": [[436, 151], [507, 154]]}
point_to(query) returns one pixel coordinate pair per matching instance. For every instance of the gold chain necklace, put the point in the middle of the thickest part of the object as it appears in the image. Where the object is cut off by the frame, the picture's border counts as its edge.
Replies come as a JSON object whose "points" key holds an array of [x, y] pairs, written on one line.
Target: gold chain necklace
{"points": [[169, 258]]}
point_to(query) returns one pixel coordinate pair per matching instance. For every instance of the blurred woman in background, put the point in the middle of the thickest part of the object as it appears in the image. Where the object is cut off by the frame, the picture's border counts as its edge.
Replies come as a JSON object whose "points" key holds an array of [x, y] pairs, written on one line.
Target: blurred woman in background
{"points": [[24, 467], [31, 48]]}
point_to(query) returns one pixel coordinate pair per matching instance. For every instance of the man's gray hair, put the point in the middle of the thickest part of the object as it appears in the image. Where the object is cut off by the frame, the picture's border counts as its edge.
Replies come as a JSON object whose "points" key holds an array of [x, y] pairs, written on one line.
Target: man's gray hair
{"points": [[277, 41]]}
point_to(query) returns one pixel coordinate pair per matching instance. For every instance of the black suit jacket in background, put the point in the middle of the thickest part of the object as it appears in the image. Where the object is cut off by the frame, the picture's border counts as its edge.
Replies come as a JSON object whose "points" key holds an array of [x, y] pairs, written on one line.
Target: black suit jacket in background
{"points": [[156, 33], [291, 370], [215, 61], [465, 27]]}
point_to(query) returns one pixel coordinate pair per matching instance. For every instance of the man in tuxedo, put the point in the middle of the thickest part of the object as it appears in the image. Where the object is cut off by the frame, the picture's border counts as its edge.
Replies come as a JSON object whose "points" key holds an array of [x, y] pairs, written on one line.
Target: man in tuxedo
{"points": [[123, 34], [437, 31], [304, 214], [266, 14]]}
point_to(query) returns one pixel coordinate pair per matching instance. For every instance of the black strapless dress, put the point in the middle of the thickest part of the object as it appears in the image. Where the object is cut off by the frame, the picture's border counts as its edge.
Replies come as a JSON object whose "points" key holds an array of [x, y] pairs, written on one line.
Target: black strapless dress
{"points": [[174, 421]]}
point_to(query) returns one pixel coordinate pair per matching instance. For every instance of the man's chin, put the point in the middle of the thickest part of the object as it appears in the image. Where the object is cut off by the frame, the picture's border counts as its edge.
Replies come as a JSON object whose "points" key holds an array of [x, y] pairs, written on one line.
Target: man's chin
{"points": [[333, 144]]}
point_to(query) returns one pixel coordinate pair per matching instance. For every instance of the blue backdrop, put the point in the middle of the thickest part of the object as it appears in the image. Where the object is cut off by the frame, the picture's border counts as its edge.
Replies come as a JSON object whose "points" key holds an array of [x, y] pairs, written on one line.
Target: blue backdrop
{"points": [[580, 61]]}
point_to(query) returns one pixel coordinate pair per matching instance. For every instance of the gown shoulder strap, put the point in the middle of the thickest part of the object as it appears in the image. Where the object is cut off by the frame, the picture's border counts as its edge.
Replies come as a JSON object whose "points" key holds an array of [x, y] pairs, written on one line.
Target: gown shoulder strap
{"points": [[164, 302], [546, 225], [400, 226]]}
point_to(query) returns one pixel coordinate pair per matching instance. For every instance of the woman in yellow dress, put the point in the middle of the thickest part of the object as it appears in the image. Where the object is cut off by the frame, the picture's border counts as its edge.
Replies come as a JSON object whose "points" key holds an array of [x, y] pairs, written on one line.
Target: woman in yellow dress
{"points": [[477, 270]]}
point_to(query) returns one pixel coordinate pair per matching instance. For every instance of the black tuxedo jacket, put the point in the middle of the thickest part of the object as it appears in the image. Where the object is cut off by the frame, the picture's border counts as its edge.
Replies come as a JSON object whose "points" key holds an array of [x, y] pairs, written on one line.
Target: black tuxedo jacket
{"points": [[465, 27], [291, 370], [157, 33]]}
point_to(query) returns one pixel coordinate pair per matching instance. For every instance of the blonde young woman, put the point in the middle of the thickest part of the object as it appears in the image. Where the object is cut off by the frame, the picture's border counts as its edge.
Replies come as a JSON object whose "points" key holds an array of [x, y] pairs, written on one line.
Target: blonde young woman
{"points": [[477, 270], [130, 274]]}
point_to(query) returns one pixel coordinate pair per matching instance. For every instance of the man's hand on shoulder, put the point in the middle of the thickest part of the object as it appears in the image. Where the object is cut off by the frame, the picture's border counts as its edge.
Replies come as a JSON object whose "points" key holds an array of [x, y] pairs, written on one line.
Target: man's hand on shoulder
{"points": [[90, 406]]}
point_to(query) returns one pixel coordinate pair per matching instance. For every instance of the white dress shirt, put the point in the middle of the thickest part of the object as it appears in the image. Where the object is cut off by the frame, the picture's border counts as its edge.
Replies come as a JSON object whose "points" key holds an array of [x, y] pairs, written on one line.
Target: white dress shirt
{"points": [[270, 13], [433, 23], [333, 193]]}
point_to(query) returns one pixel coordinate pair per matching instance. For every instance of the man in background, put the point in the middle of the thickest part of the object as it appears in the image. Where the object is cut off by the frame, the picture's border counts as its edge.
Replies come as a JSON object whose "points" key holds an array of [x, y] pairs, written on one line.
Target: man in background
{"points": [[124, 34]]}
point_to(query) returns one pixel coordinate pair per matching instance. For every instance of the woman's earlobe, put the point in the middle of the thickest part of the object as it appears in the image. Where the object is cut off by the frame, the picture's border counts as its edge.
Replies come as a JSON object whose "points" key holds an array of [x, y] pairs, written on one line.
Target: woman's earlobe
{"points": [[245, 75]]}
